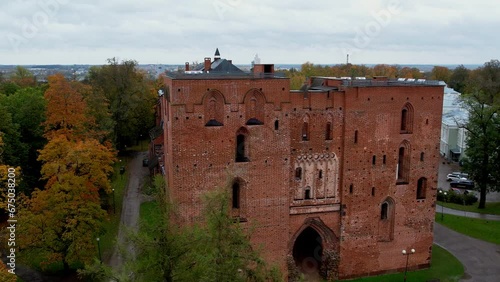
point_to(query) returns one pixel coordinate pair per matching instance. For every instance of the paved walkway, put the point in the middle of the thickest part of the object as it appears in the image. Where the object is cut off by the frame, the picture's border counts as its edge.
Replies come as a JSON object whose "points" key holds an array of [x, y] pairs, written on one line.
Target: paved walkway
{"points": [[440, 209], [131, 205], [481, 259]]}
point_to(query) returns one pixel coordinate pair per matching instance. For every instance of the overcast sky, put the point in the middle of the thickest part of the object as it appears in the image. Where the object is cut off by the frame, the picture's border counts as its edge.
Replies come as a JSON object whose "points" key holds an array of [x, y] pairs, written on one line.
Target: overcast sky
{"points": [[279, 31]]}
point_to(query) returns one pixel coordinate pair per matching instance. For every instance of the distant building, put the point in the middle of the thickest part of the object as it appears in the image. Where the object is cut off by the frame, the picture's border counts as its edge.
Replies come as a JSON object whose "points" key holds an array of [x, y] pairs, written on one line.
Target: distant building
{"points": [[337, 178], [452, 145]]}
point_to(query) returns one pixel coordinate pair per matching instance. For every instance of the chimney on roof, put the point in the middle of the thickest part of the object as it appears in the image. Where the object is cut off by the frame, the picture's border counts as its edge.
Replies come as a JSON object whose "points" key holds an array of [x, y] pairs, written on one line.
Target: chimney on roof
{"points": [[217, 54], [187, 66], [208, 64]]}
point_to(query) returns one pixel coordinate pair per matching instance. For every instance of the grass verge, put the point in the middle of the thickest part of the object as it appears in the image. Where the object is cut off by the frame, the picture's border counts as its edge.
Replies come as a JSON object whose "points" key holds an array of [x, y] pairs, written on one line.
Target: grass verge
{"points": [[110, 227], [491, 207], [486, 230], [444, 266]]}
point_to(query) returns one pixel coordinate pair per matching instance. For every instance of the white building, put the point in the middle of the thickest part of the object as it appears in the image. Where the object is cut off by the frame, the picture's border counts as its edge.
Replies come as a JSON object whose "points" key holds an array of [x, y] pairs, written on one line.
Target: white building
{"points": [[452, 144]]}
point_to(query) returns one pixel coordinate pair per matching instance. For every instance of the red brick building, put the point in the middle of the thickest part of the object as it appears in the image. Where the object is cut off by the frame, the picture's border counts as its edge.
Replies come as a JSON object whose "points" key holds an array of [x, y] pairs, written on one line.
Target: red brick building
{"points": [[338, 177]]}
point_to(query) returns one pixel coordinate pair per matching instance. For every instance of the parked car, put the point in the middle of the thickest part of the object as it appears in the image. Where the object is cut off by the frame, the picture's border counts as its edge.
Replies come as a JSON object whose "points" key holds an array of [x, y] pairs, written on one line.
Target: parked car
{"points": [[145, 162], [457, 176], [463, 184]]}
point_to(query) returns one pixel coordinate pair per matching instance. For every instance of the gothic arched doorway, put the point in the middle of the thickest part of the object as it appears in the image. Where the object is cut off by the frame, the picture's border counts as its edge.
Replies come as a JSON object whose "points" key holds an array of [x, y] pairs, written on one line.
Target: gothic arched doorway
{"points": [[307, 252]]}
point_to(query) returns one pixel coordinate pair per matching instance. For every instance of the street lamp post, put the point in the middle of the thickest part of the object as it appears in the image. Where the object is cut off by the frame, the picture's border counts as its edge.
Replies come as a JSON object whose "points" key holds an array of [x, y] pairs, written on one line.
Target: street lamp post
{"points": [[114, 204], [99, 248], [140, 140], [407, 254], [442, 206]]}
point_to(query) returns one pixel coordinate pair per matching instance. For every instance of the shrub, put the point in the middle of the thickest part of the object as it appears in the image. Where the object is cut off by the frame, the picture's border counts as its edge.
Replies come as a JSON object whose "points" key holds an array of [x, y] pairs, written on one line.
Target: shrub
{"points": [[456, 198]]}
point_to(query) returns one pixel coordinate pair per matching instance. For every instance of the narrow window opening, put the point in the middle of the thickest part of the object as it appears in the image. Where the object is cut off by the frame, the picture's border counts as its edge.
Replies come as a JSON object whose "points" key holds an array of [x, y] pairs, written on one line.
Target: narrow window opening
{"points": [[401, 162], [236, 195], [276, 125], [404, 117], [351, 188], [241, 150], [298, 173], [422, 156], [373, 191], [320, 174], [384, 159], [355, 137], [305, 131], [374, 160], [421, 188], [383, 210], [328, 131], [307, 195]]}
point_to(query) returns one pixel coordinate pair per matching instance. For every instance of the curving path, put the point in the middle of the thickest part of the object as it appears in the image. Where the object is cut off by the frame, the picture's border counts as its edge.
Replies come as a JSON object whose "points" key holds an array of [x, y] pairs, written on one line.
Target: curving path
{"points": [[481, 259], [446, 210]]}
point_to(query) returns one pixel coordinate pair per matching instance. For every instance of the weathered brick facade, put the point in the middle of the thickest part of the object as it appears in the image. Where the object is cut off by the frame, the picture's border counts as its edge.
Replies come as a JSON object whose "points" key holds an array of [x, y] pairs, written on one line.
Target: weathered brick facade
{"points": [[337, 178]]}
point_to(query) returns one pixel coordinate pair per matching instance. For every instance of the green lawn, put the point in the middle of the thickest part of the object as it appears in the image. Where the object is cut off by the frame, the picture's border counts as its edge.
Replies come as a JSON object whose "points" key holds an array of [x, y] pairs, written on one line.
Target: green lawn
{"points": [[444, 266], [491, 207], [486, 230]]}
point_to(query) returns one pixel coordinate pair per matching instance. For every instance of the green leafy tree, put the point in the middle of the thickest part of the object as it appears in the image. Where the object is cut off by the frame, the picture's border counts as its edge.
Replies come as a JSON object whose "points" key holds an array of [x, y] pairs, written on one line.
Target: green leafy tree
{"points": [[482, 101], [224, 251], [8, 88], [14, 151], [27, 109], [459, 78], [129, 97]]}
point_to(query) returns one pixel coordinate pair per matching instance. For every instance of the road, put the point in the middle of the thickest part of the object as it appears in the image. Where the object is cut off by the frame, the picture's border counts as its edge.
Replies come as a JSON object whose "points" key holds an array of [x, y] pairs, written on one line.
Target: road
{"points": [[481, 259], [131, 206]]}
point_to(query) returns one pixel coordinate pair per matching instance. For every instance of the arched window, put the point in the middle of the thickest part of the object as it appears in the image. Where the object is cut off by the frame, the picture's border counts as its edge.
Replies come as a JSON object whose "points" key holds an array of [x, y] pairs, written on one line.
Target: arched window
{"points": [[254, 106], [242, 145], [214, 108], [407, 118], [421, 188], [422, 154], [403, 166], [276, 125], [386, 221]]}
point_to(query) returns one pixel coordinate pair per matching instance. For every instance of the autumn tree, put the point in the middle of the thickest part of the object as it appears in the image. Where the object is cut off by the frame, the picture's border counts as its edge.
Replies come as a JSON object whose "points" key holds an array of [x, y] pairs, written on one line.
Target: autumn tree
{"points": [[5, 276], [66, 109], [385, 70], [62, 221], [23, 77], [440, 73], [60, 224]]}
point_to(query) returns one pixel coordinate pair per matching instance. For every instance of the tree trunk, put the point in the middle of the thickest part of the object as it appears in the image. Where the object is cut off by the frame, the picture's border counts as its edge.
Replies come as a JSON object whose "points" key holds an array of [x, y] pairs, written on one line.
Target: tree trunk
{"points": [[483, 179]]}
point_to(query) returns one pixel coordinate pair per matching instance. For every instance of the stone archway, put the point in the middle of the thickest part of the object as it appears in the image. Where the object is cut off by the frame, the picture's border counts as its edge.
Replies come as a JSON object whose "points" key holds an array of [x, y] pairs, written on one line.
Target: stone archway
{"points": [[308, 252]]}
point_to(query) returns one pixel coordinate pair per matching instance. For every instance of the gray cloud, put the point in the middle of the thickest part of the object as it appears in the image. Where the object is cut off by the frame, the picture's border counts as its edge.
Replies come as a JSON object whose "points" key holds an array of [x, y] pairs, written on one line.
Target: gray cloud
{"points": [[166, 31]]}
